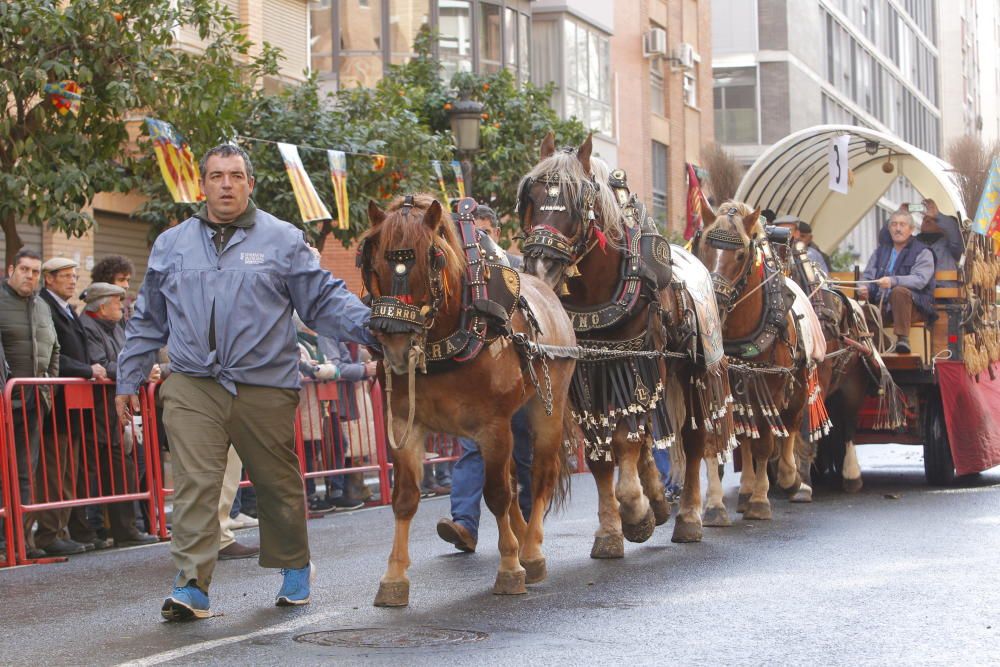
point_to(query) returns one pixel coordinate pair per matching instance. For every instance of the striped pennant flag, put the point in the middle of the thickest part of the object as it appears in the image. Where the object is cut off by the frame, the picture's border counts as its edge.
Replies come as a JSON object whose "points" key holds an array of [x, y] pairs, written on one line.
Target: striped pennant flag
{"points": [[177, 163], [456, 167], [311, 208], [989, 203], [338, 175], [436, 164]]}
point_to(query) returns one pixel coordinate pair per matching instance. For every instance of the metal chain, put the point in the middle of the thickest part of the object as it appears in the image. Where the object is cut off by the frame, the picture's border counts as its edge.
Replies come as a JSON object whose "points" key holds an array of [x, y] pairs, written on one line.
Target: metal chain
{"points": [[547, 400]]}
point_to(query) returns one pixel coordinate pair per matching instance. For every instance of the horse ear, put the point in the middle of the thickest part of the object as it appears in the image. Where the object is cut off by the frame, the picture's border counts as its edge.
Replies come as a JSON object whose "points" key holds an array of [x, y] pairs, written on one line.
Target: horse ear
{"points": [[432, 218], [375, 213], [583, 153], [548, 145], [750, 221], [707, 212]]}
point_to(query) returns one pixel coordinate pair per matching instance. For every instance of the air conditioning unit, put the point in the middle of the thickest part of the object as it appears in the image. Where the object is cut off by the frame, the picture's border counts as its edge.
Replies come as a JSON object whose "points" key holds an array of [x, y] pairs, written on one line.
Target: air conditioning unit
{"points": [[684, 56], [654, 43]]}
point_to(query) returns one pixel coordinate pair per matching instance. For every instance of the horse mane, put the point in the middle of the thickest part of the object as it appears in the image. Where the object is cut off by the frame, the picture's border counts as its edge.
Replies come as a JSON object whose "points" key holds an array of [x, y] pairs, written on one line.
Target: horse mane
{"points": [[742, 210], [399, 231], [572, 178]]}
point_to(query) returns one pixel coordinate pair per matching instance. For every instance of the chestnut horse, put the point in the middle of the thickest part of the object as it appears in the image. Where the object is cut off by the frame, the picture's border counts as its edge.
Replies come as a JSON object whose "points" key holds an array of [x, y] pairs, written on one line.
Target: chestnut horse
{"points": [[769, 373], [415, 269], [652, 385]]}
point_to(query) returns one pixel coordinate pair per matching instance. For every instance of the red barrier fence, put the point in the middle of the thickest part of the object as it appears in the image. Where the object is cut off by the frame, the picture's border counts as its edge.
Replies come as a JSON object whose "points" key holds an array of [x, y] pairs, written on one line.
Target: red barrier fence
{"points": [[71, 453]]}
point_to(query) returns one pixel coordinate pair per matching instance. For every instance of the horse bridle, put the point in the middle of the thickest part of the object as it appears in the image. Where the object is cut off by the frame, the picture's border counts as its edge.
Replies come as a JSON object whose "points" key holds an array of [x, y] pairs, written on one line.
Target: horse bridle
{"points": [[396, 313], [547, 241], [727, 292]]}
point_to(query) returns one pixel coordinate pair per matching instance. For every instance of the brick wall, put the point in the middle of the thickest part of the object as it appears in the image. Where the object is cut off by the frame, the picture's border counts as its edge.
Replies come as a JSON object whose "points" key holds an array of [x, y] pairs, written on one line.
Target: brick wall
{"points": [[339, 261]]}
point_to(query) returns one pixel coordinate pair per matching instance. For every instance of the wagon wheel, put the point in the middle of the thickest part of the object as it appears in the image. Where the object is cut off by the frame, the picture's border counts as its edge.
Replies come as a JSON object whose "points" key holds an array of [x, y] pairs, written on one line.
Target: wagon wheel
{"points": [[939, 469]]}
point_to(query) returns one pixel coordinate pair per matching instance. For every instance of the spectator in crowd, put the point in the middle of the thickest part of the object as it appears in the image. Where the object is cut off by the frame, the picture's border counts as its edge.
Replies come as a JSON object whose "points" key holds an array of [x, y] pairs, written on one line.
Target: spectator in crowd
{"points": [[486, 220], [116, 270], [902, 273], [468, 477], [31, 348], [942, 235], [119, 473], [219, 291], [64, 437]]}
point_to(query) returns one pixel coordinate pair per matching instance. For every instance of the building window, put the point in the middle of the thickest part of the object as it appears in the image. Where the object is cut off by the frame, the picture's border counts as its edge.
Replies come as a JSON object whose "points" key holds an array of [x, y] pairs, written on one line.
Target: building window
{"points": [[359, 59], [455, 36], [735, 103], [656, 87], [660, 183], [690, 89], [490, 45], [587, 57], [523, 40], [406, 18]]}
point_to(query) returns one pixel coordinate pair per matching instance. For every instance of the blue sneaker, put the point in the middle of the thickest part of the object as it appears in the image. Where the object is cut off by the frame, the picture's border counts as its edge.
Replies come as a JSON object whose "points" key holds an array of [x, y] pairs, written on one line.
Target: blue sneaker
{"points": [[185, 603], [295, 588]]}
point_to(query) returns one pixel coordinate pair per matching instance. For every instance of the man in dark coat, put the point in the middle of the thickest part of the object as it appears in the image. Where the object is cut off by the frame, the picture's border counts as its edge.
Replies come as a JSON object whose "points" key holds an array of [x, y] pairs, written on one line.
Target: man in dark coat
{"points": [[62, 444]]}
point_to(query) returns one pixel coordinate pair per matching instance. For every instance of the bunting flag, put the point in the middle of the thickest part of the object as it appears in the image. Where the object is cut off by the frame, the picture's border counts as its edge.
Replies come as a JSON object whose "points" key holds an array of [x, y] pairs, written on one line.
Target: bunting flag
{"points": [[65, 96], [177, 163], [694, 199], [456, 167], [338, 175], [987, 220], [436, 164], [311, 208]]}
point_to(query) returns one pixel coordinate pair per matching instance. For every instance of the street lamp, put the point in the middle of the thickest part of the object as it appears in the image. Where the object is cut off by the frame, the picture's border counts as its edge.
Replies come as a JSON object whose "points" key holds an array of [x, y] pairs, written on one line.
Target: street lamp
{"points": [[465, 116]]}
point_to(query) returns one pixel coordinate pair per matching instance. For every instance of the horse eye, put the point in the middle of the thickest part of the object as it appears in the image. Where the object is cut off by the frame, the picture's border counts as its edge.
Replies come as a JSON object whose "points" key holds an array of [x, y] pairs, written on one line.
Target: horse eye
{"points": [[741, 255]]}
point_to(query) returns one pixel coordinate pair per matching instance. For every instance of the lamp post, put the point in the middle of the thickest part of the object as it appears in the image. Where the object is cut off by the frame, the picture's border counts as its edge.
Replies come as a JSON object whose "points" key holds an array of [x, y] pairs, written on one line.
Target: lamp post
{"points": [[465, 116]]}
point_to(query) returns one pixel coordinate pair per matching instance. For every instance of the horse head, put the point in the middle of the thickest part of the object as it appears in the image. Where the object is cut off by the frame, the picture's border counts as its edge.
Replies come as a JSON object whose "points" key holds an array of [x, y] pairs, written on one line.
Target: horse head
{"points": [[561, 206], [411, 264], [729, 248]]}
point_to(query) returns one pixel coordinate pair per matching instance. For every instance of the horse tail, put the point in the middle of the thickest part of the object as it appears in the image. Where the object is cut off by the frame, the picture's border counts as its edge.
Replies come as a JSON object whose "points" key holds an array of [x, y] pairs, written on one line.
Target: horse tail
{"points": [[572, 438]]}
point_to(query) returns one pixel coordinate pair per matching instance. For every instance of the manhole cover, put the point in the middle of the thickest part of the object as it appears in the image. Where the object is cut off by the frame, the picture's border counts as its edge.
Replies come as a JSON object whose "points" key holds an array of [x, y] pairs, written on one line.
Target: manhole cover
{"points": [[391, 637]]}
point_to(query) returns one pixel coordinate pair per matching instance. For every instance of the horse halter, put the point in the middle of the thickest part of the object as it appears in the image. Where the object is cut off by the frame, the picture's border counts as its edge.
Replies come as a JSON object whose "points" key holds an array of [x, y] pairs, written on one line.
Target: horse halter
{"points": [[545, 241], [726, 292], [396, 313]]}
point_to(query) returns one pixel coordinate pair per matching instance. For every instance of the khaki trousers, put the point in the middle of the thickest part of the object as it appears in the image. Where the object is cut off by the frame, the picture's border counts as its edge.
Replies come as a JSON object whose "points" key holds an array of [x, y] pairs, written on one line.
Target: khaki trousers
{"points": [[902, 313], [230, 485], [201, 419]]}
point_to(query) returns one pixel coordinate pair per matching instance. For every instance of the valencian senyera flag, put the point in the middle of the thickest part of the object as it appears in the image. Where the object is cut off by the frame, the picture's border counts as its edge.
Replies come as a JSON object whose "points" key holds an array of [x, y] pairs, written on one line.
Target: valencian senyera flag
{"points": [[987, 220], [436, 164], [456, 167], [311, 208], [177, 163], [65, 96], [338, 176]]}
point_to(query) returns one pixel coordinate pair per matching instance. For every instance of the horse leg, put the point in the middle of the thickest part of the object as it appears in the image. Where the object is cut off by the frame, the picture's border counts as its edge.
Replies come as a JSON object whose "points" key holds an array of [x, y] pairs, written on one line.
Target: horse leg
{"points": [[747, 476], [687, 526], [852, 469], [805, 455], [497, 492], [394, 588], [652, 484], [636, 515], [715, 514], [608, 540], [546, 465], [788, 474], [759, 507]]}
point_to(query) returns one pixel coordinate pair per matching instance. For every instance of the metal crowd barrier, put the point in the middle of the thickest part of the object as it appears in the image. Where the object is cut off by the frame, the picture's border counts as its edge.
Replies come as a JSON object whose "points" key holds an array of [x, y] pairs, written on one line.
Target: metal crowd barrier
{"points": [[65, 450]]}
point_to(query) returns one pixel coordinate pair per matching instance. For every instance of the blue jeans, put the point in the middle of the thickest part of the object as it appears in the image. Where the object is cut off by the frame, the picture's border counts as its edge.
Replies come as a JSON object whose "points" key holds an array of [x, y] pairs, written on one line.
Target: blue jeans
{"points": [[662, 459], [468, 476]]}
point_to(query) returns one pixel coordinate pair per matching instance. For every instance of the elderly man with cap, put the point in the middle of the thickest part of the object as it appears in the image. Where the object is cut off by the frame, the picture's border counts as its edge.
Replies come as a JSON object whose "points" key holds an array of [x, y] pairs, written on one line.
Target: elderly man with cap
{"points": [[61, 448], [813, 252], [118, 472]]}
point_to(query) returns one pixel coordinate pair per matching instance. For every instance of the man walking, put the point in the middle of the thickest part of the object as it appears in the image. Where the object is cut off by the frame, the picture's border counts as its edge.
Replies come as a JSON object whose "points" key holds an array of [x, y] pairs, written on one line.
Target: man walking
{"points": [[223, 285]]}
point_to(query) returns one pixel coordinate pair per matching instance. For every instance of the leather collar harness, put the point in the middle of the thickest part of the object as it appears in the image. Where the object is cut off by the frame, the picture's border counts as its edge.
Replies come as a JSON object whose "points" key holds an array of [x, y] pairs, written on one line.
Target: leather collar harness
{"points": [[777, 297], [484, 315]]}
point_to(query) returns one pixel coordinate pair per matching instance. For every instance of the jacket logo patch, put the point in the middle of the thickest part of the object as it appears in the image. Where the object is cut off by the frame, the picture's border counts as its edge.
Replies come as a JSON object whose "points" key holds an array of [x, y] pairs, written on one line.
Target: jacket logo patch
{"points": [[252, 257]]}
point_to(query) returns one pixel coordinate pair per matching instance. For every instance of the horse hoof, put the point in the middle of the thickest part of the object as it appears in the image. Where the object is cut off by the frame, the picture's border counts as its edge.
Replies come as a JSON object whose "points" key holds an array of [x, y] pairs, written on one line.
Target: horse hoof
{"points": [[793, 489], [534, 570], [758, 511], [510, 583], [639, 532], [393, 594], [608, 546], [742, 502], [661, 511], [716, 517], [852, 485], [686, 532], [803, 495]]}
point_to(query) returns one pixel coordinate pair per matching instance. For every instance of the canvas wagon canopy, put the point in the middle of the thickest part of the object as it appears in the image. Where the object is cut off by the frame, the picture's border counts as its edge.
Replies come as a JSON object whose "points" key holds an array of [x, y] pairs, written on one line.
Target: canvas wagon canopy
{"points": [[792, 176]]}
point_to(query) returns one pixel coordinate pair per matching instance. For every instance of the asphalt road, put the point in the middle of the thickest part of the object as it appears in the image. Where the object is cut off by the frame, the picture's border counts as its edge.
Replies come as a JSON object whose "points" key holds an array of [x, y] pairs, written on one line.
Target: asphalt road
{"points": [[899, 574]]}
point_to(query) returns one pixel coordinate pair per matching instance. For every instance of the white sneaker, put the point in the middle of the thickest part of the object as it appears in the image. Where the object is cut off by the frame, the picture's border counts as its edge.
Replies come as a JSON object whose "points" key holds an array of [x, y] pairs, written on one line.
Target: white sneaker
{"points": [[243, 521]]}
